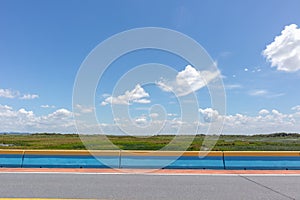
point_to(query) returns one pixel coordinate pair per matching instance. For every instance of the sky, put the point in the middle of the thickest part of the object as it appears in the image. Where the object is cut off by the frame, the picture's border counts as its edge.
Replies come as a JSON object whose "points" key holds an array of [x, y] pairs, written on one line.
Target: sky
{"points": [[254, 46]]}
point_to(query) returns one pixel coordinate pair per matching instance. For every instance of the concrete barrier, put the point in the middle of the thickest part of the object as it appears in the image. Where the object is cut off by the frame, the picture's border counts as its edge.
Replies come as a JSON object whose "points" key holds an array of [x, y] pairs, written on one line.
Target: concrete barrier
{"points": [[262, 160], [172, 159], [151, 159], [71, 159], [11, 158]]}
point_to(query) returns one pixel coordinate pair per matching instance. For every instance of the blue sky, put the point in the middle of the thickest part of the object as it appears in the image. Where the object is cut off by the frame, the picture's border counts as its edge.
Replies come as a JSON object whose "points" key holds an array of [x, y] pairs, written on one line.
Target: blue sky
{"points": [[43, 43]]}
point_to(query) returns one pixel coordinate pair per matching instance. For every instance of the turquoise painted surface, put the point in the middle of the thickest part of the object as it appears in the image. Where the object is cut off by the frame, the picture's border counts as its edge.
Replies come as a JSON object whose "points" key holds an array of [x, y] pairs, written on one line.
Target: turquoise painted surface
{"points": [[209, 162], [53, 161], [262, 162], [184, 162], [10, 160]]}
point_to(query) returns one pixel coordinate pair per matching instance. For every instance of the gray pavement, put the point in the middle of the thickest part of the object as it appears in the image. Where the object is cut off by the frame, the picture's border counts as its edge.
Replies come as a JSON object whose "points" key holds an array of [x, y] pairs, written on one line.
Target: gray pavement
{"points": [[130, 186]]}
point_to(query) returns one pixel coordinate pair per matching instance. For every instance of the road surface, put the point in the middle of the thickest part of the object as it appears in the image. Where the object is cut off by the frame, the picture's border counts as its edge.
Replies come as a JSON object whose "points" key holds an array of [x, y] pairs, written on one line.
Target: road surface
{"points": [[146, 186]]}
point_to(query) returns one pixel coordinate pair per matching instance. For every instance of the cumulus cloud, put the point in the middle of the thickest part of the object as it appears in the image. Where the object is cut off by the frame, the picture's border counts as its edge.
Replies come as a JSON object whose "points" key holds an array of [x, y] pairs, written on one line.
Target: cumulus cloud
{"points": [[263, 112], [23, 120], [84, 109], [47, 106], [29, 96], [60, 114], [153, 115], [142, 120], [284, 51], [172, 114], [11, 94], [137, 95], [209, 114], [61, 120], [296, 108], [8, 93], [264, 122], [188, 80]]}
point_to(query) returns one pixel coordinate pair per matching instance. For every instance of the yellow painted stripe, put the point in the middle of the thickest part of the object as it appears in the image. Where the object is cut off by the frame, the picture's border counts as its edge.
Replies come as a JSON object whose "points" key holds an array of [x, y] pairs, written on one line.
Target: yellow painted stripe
{"points": [[171, 153], [72, 152], [203, 153], [112, 153], [12, 151], [148, 153], [262, 153]]}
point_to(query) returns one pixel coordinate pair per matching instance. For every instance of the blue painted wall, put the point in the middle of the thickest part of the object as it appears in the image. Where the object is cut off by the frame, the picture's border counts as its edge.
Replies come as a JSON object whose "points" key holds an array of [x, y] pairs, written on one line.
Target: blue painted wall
{"points": [[183, 162]]}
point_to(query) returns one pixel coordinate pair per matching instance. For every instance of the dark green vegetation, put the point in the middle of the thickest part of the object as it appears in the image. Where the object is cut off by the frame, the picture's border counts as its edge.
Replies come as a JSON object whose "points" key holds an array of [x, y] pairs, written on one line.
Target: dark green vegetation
{"points": [[271, 142]]}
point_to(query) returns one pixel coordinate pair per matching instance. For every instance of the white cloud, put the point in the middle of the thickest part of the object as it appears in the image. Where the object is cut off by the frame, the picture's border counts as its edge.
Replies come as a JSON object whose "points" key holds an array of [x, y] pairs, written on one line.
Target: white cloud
{"points": [[84, 109], [5, 111], [8, 93], [105, 95], [5, 107], [23, 120], [275, 112], [226, 54], [164, 86], [11, 94], [233, 86], [153, 115], [264, 122], [265, 93], [209, 115], [258, 92], [29, 96], [246, 69], [61, 120], [223, 76], [47, 106], [142, 101], [256, 69], [22, 111], [284, 51], [296, 108], [187, 81], [172, 115], [275, 95], [142, 108], [142, 120], [61, 114], [263, 112], [137, 95]]}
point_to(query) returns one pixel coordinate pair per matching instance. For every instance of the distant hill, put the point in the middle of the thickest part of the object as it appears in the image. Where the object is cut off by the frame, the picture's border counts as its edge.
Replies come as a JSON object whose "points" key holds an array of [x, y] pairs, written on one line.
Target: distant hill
{"points": [[14, 133], [281, 135]]}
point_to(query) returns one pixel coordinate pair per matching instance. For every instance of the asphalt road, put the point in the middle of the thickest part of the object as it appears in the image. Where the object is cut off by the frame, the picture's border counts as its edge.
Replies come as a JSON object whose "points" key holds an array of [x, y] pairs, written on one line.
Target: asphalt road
{"points": [[138, 186]]}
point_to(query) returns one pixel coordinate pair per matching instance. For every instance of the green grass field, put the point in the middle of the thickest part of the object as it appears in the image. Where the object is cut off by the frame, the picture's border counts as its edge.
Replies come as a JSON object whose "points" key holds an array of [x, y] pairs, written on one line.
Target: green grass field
{"points": [[271, 142]]}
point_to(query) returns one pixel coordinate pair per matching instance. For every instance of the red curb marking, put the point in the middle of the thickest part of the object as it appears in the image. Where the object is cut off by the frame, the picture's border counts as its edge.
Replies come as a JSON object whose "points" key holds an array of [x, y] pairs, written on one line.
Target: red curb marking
{"points": [[159, 171]]}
